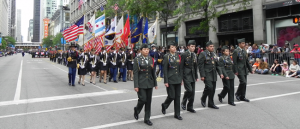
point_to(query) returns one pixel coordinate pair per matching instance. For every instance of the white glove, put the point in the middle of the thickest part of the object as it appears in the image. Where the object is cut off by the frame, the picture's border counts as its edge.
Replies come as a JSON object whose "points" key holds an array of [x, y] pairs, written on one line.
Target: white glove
{"points": [[114, 63], [104, 64], [123, 64], [132, 62], [131, 52]]}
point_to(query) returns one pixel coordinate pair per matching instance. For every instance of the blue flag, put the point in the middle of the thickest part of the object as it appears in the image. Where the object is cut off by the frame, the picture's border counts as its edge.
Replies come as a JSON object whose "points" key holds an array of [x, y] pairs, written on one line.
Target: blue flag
{"points": [[80, 21], [145, 39], [137, 32]]}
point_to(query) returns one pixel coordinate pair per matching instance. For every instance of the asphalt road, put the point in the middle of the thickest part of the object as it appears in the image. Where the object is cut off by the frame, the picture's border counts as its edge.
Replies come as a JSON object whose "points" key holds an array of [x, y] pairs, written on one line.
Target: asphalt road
{"points": [[35, 95]]}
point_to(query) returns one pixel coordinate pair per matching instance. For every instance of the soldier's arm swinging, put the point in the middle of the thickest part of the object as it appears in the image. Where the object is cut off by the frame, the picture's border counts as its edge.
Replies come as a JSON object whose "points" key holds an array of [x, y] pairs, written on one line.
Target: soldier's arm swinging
{"points": [[201, 61], [136, 74]]}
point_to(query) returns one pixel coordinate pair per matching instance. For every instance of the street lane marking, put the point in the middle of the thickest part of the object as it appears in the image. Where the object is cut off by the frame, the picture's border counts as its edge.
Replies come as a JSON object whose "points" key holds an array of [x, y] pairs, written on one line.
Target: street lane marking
{"points": [[120, 101], [64, 97], [18, 89], [197, 109], [84, 80]]}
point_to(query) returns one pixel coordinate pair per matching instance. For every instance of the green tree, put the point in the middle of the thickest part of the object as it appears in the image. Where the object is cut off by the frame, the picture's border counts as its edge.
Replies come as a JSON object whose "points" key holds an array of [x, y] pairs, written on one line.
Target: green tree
{"points": [[48, 41], [7, 41], [57, 40], [207, 10]]}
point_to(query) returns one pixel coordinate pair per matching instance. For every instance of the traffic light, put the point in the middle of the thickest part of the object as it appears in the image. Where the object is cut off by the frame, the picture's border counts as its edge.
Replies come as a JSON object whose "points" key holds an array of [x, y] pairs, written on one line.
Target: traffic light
{"points": [[296, 19]]}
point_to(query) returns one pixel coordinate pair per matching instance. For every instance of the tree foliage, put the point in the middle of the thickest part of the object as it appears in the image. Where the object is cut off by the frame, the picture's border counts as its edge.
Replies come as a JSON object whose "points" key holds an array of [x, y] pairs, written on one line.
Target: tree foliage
{"points": [[7, 41], [207, 10], [57, 40], [48, 41]]}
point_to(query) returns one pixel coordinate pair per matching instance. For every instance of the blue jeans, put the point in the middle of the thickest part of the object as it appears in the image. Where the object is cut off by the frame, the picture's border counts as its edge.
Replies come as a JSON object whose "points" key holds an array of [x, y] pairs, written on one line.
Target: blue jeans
{"points": [[113, 72], [161, 70], [298, 60], [72, 75], [123, 72], [265, 71]]}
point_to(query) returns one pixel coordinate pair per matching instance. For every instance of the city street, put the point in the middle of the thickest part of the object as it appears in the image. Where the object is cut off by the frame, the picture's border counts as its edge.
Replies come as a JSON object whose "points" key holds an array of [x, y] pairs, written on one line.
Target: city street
{"points": [[35, 95]]}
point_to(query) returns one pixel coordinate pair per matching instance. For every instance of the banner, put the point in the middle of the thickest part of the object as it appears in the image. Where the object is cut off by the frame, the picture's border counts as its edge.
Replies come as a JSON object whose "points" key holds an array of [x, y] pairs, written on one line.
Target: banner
{"points": [[119, 31], [100, 26], [152, 32], [126, 32], [112, 29], [145, 36], [89, 30], [46, 22], [137, 32]]}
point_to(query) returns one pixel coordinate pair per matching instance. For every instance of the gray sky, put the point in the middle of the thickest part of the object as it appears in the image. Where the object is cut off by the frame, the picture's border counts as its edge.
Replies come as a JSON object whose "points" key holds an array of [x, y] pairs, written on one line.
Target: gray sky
{"points": [[26, 7]]}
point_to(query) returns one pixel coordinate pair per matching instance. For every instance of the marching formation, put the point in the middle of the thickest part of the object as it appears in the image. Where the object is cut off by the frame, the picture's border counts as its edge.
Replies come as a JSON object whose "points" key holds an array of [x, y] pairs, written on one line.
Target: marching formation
{"points": [[177, 69]]}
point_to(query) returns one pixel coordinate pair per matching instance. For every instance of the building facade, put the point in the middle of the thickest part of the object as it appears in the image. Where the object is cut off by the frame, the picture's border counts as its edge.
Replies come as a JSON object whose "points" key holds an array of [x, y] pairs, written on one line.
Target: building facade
{"points": [[50, 6], [36, 20], [4, 17], [13, 19], [30, 30], [19, 27]]}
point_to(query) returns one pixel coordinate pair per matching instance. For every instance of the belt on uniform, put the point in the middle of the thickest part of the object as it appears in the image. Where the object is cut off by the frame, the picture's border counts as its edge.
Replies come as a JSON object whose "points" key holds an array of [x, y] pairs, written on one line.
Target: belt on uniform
{"points": [[143, 69], [73, 60]]}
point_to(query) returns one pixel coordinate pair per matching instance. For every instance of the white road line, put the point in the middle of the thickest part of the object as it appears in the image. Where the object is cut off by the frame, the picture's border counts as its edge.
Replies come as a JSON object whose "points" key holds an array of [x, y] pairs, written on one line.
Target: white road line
{"points": [[64, 97], [114, 102], [197, 109], [18, 89], [84, 80]]}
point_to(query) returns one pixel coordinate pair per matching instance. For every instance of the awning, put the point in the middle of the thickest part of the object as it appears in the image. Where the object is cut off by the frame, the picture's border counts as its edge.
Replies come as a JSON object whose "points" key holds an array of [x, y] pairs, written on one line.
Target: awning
{"points": [[282, 4]]}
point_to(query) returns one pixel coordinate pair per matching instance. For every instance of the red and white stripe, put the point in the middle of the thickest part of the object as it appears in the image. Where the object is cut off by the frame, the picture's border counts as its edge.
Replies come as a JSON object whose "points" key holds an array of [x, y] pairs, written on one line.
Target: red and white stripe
{"points": [[99, 43], [116, 7], [80, 29], [66, 32], [73, 33], [80, 3]]}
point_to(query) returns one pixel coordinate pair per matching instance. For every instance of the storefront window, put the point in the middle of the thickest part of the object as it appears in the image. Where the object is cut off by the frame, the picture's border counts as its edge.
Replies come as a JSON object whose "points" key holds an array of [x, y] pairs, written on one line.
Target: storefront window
{"points": [[171, 36]]}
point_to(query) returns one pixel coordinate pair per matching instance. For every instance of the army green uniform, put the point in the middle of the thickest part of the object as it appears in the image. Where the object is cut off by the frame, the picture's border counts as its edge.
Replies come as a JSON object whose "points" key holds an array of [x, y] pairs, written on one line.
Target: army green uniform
{"points": [[190, 76], [145, 80], [228, 84], [209, 66], [173, 72], [240, 66]]}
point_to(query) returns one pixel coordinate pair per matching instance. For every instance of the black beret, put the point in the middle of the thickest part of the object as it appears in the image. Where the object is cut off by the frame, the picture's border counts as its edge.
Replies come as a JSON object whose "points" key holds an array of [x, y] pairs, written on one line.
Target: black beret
{"points": [[121, 49], [103, 48], [144, 45], [225, 47], [113, 48], [192, 42]]}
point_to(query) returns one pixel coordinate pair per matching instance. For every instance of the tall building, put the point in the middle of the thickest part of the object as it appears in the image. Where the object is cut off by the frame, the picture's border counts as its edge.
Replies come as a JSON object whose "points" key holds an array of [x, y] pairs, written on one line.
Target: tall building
{"points": [[4, 17], [19, 16], [9, 17], [88, 8], [30, 30], [36, 20], [50, 6], [64, 2], [13, 19]]}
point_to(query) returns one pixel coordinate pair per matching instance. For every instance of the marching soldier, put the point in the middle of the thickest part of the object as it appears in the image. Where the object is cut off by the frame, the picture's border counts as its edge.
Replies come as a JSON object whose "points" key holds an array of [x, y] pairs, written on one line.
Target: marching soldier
{"points": [[228, 81], [54, 56], [104, 58], [240, 66], [72, 63], [122, 60], [209, 66], [190, 76], [173, 70], [82, 64], [130, 61], [154, 55], [59, 56], [50, 55], [64, 58], [113, 65], [160, 63], [144, 81]]}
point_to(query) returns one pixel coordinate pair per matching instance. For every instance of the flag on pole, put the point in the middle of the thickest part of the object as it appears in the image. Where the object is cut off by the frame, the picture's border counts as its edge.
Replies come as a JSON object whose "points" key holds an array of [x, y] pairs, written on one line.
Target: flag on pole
{"points": [[137, 32], [145, 36], [79, 23], [80, 2], [112, 29], [126, 31], [73, 32], [116, 7], [100, 25], [66, 32], [119, 31], [152, 32], [89, 30], [101, 8], [99, 43]]}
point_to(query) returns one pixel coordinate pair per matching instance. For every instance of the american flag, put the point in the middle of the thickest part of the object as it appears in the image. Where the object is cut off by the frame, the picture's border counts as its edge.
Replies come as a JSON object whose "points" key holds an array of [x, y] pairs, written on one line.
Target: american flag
{"points": [[90, 26], [80, 2], [66, 32], [80, 29], [116, 7], [98, 43], [73, 32]]}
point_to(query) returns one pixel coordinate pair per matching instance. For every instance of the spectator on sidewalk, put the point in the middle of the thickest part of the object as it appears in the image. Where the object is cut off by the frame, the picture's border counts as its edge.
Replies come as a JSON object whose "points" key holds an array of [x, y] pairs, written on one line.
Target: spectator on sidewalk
{"points": [[255, 65], [275, 68], [284, 68], [262, 67], [265, 51], [294, 67], [296, 52], [255, 51], [199, 50], [286, 53]]}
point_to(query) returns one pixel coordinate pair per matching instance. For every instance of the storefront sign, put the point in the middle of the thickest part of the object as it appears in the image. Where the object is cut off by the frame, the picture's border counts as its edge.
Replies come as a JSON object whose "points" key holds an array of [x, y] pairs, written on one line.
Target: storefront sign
{"points": [[282, 4]]}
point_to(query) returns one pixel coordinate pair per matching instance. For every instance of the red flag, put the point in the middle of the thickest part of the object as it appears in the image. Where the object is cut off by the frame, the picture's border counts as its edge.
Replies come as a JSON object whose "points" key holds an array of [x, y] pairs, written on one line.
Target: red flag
{"points": [[126, 31], [80, 29], [66, 32]]}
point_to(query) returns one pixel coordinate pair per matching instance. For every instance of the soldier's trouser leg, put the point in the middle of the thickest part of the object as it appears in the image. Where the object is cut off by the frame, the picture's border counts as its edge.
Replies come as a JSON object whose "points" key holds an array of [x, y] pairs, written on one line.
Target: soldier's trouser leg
{"points": [[241, 91], [124, 72], [69, 77], [145, 98], [210, 87], [113, 72], [73, 75], [174, 92], [189, 94], [228, 87]]}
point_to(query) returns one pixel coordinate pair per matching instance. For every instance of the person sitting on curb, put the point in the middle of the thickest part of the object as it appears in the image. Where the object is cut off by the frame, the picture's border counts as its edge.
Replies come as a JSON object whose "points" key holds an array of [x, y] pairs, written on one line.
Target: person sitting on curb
{"points": [[262, 67], [255, 65], [294, 67], [275, 68], [284, 68]]}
